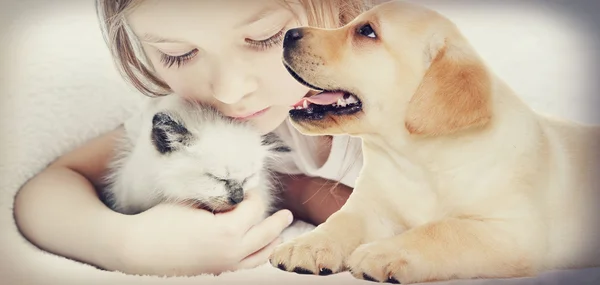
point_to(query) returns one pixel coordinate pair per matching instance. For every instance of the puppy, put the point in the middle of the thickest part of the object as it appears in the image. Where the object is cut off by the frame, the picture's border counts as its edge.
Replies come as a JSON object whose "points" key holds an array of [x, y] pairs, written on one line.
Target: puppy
{"points": [[460, 180], [189, 153]]}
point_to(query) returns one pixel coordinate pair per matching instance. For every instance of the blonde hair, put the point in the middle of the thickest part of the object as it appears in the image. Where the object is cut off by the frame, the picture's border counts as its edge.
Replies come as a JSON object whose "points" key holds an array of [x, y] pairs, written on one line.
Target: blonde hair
{"points": [[137, 69]]}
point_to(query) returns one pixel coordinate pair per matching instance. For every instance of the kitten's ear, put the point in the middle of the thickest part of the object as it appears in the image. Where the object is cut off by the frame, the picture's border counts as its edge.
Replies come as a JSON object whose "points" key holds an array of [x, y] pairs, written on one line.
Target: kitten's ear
{"points": [[274, 143], [168, 134]]}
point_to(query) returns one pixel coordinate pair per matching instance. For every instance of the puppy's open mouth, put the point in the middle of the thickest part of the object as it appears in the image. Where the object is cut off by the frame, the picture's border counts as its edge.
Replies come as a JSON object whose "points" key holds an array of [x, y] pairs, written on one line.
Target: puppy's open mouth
{"points": [[316, 107]]}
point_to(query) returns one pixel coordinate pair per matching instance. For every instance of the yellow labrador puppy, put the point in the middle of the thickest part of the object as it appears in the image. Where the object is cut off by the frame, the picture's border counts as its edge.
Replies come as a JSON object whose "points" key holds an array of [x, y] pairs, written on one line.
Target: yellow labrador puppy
{"points": [[461, 179]]}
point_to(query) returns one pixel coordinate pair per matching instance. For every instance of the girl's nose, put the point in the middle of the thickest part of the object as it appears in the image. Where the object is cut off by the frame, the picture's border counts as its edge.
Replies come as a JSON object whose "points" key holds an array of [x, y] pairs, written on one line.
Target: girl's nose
{"points": [[232, 82]]}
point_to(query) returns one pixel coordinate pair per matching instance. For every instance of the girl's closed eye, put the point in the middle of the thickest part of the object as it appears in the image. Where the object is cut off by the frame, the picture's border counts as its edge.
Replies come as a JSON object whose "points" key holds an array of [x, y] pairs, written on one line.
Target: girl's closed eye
{"points": [[260, 45], [179, 60], [270, 42]]}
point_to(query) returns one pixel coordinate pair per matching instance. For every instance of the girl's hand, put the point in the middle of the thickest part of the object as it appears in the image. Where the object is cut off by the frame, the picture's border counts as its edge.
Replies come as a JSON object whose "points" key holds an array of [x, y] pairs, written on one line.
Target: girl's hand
{"points": [[175, 240]]}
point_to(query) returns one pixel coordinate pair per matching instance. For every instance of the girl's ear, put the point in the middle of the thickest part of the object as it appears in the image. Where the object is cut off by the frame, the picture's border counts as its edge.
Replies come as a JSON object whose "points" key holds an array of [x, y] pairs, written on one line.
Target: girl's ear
{"points": [[274, 143], [168, 133]]}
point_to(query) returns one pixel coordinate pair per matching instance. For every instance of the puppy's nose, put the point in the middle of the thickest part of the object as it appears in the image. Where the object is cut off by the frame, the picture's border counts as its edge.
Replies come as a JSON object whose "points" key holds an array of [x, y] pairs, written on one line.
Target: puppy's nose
{"points": [[292, 36], [236, 195]]}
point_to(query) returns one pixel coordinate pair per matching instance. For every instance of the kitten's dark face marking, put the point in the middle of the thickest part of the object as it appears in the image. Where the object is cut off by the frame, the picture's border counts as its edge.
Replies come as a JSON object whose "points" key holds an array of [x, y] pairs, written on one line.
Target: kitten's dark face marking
{"points": [[235, 192], [235, 188], [167, 133]]}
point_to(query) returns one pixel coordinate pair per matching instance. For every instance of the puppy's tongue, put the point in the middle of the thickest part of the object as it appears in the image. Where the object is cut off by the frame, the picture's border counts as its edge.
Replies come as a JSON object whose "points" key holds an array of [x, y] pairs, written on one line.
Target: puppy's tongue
{"points": [[324, 98]]}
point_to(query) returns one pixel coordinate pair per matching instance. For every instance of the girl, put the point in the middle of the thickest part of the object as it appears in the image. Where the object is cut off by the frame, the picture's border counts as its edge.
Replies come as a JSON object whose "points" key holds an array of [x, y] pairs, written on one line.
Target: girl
{"points": [[228, 54]]}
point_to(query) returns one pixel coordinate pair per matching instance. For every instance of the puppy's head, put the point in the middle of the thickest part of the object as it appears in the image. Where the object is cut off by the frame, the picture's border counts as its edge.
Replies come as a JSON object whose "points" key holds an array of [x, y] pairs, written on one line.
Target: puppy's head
{"points": [[398, 66]]}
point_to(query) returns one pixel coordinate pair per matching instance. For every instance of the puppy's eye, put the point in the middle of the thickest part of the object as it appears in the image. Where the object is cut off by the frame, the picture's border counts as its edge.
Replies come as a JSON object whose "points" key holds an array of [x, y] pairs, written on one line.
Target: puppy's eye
{"points": [[367, 31]]}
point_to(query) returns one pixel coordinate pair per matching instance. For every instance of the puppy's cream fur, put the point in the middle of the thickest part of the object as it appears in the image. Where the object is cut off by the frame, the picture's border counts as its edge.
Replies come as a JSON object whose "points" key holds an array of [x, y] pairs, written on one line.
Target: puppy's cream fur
{"points": [[189, 153], [461, 179]]}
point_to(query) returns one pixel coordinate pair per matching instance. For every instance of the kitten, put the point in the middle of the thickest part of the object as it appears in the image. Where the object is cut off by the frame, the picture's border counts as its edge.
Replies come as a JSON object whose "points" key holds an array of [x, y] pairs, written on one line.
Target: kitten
{"points": [[189, 153]]}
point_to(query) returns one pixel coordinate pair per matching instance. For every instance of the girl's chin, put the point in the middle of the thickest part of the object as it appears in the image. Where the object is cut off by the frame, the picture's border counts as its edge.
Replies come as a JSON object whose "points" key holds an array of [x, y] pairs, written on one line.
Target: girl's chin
{"points": [[272, 119]]}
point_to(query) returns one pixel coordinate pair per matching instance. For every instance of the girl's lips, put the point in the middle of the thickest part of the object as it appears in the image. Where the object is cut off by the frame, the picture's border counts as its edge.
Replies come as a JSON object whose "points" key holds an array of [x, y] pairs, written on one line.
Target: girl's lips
{"points": [[251, 115]]}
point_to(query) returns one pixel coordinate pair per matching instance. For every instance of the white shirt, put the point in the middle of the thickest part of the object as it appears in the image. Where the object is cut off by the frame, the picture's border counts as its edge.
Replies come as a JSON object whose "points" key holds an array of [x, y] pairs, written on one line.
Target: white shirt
{"points": [[343, 163]]}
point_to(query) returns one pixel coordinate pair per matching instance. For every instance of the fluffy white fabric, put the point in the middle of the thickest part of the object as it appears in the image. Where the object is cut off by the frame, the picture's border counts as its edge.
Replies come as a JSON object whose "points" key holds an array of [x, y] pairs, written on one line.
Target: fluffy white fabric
{"points": [[59, 89]]}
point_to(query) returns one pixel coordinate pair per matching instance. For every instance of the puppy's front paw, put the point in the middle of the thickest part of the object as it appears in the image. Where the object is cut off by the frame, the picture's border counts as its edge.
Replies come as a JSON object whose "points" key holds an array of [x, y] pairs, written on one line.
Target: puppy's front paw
{"points": [[380, 261], [312, 253]]}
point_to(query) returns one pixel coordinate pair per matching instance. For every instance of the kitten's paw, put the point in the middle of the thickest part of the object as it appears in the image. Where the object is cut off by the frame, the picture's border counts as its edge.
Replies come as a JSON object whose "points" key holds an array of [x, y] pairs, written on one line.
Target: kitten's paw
{"points": [[312, 253]]}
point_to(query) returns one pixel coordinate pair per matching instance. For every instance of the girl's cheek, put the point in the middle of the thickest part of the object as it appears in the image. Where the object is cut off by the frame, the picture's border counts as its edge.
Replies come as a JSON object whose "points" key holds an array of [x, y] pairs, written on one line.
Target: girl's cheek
{"points": [[280, 85], [191, 93], [182, 85]]}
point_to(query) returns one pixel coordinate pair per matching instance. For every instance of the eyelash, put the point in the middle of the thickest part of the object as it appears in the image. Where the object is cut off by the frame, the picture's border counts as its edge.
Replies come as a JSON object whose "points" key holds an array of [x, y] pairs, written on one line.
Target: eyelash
{"points": [[268, 43], [169, 60]]}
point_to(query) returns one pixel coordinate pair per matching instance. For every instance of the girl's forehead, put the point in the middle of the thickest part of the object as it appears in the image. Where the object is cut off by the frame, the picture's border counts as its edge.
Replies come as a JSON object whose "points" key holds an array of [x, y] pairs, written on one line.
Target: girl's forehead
{"points": [[210, 14], [209, 24]]}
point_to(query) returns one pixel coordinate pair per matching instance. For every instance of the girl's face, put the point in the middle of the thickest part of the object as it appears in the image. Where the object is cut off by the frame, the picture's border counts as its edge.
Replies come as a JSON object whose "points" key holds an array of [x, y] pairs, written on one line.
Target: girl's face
{"points": [[225, 53]]}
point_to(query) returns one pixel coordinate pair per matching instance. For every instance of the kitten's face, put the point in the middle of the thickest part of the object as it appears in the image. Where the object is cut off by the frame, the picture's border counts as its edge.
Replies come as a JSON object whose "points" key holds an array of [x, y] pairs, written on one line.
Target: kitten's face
{"points": [[213, 165]]}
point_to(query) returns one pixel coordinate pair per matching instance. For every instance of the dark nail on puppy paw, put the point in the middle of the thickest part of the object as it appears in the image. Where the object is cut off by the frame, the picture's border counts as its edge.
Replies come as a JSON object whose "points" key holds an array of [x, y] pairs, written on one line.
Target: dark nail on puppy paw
{"points": [[369, 278], [301, 270], [281, 266], [392, 280], [325, 271]]}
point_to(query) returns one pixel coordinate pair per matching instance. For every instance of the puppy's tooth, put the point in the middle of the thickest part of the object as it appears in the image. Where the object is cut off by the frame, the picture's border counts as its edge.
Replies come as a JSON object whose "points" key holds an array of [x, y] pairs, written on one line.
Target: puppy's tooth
{"points": [[351, 100], [305, 104], [340, 101]]}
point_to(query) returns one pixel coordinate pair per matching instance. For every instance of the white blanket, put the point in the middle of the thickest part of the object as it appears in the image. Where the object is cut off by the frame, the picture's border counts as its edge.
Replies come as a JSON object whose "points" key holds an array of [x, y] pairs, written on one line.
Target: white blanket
{"points": [[59, 89]]}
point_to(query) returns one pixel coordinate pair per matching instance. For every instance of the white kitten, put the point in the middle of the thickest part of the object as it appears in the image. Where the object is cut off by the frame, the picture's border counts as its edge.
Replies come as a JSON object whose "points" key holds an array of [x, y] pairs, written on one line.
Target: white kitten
{"points": [[190, 153]]}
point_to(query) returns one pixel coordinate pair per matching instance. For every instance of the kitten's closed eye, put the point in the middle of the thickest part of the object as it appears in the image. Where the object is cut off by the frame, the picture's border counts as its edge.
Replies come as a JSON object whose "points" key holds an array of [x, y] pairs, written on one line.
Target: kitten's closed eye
{"points": [[216, 177], [234, 187], [241, 182]]}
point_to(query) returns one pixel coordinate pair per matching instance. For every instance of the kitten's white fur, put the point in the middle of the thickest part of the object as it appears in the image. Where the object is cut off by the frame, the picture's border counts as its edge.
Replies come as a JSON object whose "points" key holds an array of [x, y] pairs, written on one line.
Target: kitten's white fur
{"points": [[213, 147]]}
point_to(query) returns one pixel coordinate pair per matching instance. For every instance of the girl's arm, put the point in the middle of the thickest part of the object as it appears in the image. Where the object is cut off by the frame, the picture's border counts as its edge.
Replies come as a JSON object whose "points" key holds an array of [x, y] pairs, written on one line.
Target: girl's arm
{"points": [[313, 199], [59, 211]]}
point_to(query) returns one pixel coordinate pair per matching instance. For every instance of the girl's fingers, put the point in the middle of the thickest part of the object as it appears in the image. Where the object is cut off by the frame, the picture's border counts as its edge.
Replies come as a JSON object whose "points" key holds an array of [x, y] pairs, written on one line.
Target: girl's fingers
{"points": [[265, 232], [260, 257]]}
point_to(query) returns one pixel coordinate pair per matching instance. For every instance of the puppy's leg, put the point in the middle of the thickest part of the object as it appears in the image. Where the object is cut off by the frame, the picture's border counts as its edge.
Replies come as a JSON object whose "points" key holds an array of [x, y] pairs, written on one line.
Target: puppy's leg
{"points": [[324, 250], [447, 249]]}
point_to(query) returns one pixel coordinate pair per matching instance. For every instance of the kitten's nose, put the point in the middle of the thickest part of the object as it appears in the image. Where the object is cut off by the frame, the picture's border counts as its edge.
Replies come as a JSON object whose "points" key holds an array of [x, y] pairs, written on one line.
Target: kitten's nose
{"points": [[236, 195]]}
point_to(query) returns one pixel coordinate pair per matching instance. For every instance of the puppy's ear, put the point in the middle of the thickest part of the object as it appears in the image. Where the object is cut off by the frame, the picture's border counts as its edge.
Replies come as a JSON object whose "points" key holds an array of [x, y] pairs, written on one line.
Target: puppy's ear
{"points": [[454, 94], [168, 134], [274, 143]]}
